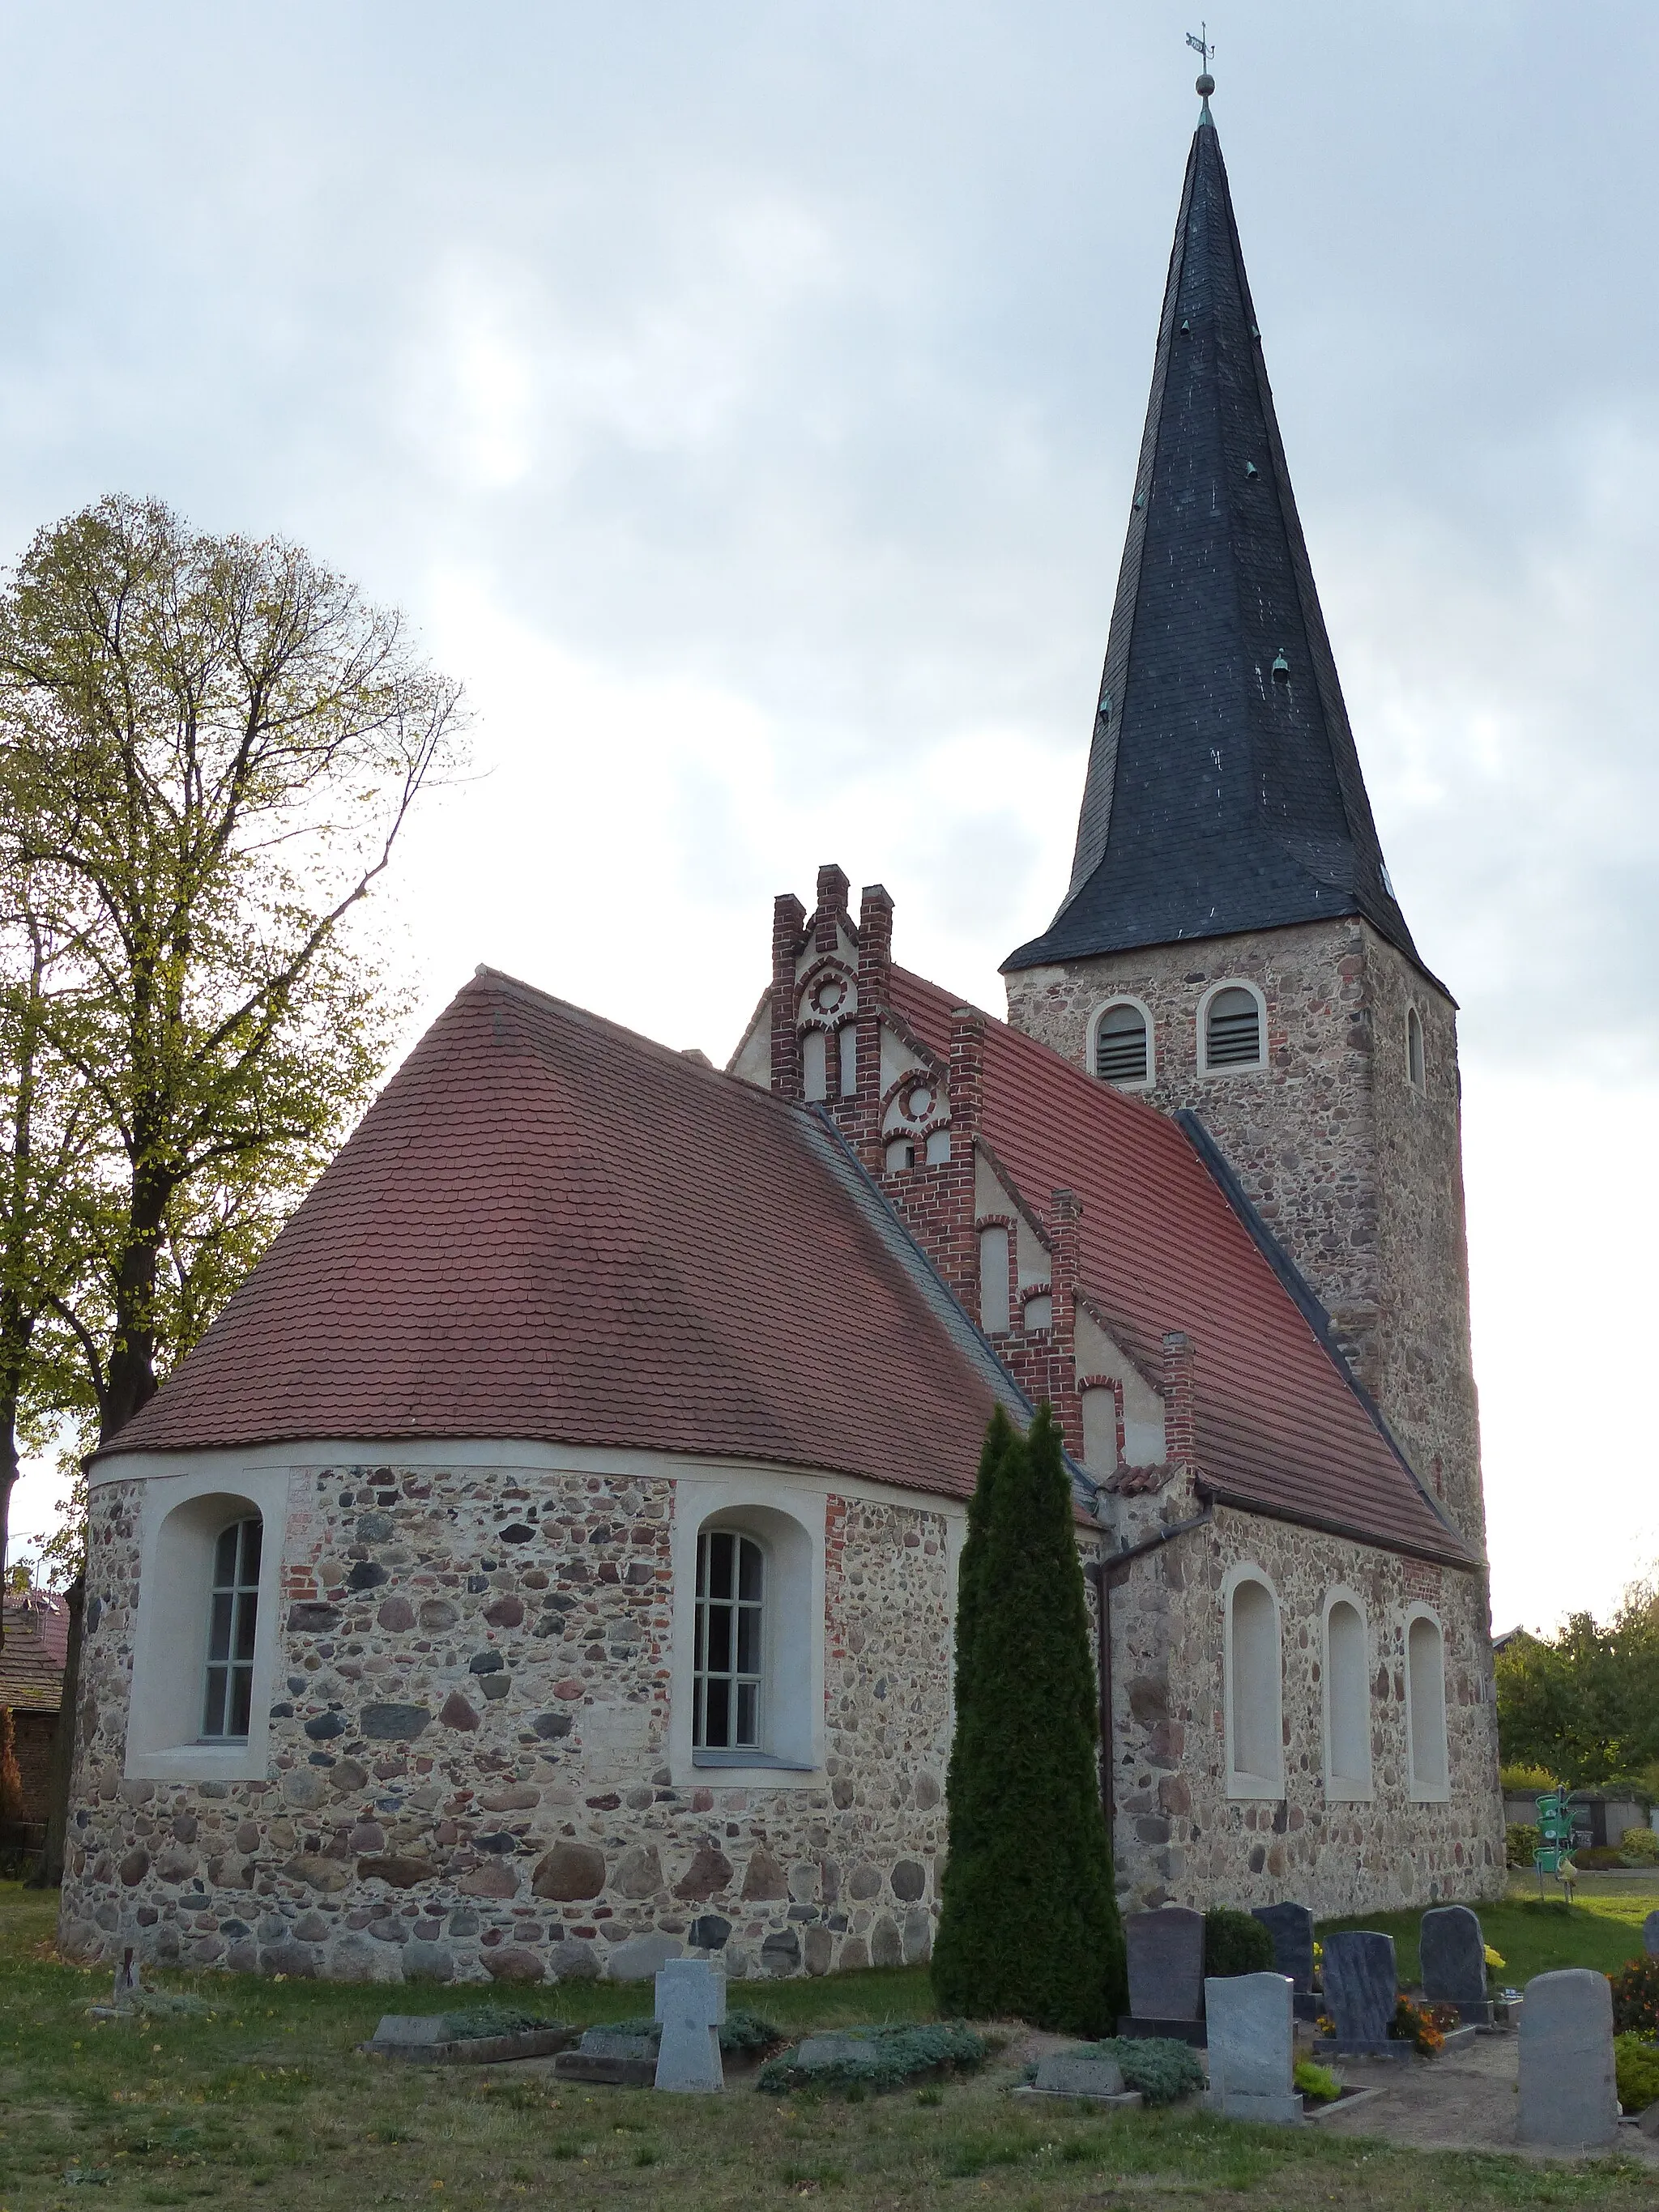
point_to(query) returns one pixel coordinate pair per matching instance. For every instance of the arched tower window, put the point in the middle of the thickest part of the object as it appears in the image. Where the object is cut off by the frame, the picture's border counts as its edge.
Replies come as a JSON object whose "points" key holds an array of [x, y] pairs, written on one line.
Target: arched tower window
{"points": [[232, 1625], [1347, 1701], [1253, 1669], [1232, 1029], [1425, 1706], [1124, 1044], [1415, 1048], [727, 1642]]}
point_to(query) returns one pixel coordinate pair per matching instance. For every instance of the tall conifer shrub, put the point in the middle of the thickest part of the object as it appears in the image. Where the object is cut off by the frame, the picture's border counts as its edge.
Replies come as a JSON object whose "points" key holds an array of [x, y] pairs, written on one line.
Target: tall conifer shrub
{"points": [[1029, 1926]]}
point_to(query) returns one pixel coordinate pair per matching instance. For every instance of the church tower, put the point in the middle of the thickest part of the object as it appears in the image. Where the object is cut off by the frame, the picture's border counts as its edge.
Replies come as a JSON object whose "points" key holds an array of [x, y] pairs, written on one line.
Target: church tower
{"points": [[1230, 943]]}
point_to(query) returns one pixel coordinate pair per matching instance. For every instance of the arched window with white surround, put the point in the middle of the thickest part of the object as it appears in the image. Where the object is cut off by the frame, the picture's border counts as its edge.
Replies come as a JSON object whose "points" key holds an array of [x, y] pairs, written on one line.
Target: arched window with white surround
{"points": [[1415, 1065], [1123, 1050], [1347, 1699], [1232, 1029], [993, 1315], [233, 1626], [1253, 1671], [728, 1675], [1425, 1706]]}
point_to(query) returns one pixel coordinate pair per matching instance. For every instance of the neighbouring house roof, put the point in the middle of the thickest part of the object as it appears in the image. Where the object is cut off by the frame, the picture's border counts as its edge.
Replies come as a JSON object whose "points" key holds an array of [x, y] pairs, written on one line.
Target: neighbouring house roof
{"points": [[1281, 1427], [547, 1228], [36, 1647], [1223, 790]]}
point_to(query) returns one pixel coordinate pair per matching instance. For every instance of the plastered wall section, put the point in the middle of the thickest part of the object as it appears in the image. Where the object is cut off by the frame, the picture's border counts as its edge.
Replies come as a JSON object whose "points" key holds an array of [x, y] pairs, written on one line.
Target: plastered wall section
{"points": [[467, 1773], [1356, 1173], [1181, 1838]]}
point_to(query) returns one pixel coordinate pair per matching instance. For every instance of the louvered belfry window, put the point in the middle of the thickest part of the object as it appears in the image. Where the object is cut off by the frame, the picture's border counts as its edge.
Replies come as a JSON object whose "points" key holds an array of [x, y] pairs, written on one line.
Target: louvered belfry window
{"points": [[1232, 1029], [1121, 1045], [726, 1658], [231, 1626]]}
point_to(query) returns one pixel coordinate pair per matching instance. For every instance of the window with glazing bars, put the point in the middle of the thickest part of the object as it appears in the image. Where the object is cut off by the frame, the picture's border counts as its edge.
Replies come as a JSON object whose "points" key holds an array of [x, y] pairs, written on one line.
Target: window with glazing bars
{"points": [[726, 1662], [1121, 1045], [234, 1617], [1232, 1029]]}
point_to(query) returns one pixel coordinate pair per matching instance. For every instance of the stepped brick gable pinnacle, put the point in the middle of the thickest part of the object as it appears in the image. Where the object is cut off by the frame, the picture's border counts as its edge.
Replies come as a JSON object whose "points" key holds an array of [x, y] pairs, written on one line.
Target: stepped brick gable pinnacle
{"points": [[1223, 789]]}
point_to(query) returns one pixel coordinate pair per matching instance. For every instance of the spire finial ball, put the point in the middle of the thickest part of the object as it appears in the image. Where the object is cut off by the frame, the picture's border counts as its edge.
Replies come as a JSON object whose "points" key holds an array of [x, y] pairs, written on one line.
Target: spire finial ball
{"points": [[1205, 86]]}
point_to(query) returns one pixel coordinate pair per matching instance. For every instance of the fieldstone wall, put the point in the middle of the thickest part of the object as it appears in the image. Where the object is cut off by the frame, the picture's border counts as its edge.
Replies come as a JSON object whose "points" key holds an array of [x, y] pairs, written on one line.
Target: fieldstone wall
{"points": [[1357, 1172], [468, 1776], [1180, 1839]]}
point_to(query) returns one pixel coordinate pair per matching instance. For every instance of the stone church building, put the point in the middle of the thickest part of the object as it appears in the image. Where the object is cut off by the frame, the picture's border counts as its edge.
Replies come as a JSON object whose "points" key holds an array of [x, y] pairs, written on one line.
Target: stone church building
{"points": [[546, 1564]]}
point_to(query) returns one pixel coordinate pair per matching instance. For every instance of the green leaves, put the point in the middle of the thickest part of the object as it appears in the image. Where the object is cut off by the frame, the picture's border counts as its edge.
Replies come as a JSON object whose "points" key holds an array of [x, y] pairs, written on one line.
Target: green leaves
{"points": [[1585, 1705]]}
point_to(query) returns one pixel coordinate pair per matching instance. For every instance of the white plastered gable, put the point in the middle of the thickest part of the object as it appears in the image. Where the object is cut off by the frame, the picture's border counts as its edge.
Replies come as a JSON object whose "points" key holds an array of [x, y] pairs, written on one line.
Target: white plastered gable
{"points": [[1099, 1353]]}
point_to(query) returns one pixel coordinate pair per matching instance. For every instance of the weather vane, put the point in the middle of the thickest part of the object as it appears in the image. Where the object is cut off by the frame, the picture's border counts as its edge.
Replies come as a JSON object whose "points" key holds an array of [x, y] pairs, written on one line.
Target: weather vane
{"points": [[1202, 46]]}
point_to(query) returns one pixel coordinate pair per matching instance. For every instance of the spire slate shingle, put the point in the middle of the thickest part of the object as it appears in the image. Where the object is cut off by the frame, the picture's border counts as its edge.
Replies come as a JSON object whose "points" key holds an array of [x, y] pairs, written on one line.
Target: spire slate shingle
{"points": [[1223, 791]]}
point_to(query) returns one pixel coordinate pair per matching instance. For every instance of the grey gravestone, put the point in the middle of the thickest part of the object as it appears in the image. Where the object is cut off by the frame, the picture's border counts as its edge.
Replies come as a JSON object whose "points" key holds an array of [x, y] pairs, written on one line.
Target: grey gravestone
{"points": [[1078, 2074], [1362, 1989], [690, 2005], [401, 2030], [1165, 1953], [1453, 1951], [1291, 1927], [1252, 2038], [1568, 2100], [1650, 1935], [619, 2061]]}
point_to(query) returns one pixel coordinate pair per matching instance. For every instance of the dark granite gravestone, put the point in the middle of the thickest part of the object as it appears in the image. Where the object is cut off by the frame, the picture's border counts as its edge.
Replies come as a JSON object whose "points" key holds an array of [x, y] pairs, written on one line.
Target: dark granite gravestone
{"points": [[1453, 1951], [1291, 1927], [1165, 1953], [1362, 1989]]}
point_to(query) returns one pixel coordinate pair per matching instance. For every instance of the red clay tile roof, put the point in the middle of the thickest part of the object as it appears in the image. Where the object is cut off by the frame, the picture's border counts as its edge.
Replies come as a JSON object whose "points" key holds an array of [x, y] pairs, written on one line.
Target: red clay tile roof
{"points": [[1279, 1428], [547, 1228], [37, 1645]]}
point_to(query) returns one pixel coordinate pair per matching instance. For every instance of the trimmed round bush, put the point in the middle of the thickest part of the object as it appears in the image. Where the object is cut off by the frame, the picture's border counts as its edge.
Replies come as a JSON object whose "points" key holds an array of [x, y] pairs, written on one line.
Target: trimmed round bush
{"points": [[1235, 1942]]}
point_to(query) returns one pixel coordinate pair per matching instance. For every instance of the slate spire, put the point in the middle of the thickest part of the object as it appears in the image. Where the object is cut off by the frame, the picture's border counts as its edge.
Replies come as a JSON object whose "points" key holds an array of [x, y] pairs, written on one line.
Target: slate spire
{"points": [[1223, 791]]}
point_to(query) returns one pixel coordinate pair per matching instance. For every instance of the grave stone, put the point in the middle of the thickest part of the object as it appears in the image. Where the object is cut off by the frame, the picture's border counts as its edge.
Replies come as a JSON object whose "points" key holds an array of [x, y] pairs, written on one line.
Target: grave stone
{"points": [[1291, 1927], [400, 2031], [1568, 2100], [1078, 2074], [1251, 2027], [1165, 1956], [690, 2005], [1453, 1951], [1362, 1989], [619, 2061], [1650, 1935]]}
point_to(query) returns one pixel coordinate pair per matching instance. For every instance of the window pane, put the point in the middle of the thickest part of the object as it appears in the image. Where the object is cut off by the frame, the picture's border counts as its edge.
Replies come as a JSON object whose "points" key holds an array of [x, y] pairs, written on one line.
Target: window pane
{"points": [[749, 1621], [219, 1632], [696, 1640], [750, 1571], [720, 1639], [224, 1560], [748, 1703], [213, 1716], [248, 1613], [720, 1565], [718, 1736], [702, 1566], [241, 1699], [251, 1531]]}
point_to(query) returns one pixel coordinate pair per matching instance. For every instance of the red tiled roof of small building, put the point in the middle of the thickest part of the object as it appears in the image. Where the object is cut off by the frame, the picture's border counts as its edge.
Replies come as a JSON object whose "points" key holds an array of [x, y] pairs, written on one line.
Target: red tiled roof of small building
{"points": [[36, 1647], [549, 1229], [1279, 1427]]}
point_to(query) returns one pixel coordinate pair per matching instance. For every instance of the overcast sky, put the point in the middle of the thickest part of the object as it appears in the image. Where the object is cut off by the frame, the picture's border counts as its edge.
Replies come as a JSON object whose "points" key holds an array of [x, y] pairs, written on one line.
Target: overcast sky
{"points": [[743, 401]]}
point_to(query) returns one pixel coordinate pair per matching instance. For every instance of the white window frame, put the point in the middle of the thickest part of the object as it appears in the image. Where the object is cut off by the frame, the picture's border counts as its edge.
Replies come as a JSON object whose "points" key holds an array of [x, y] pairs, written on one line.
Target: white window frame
{"points": [[1420, 1791], [1346, 1790], [1417, 1076], [181, 1518], [1238, 1068], [1106, 1007], [788, 1525], [1243, 1782]]}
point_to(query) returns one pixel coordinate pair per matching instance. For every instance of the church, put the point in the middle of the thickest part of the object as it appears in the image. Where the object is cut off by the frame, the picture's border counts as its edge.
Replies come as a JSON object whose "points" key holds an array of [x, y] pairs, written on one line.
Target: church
{"points": [[546, 1566]]}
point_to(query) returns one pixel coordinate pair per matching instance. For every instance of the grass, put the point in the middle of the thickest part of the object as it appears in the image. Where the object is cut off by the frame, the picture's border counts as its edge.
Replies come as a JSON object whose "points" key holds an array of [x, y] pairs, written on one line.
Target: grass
{"points": [[1602, 1929], [263, 2101]]}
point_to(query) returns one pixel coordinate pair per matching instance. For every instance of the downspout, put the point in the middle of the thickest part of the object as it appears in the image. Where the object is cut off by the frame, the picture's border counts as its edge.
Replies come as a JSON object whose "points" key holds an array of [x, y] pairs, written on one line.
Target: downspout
{"points": [[1103, 1573]]}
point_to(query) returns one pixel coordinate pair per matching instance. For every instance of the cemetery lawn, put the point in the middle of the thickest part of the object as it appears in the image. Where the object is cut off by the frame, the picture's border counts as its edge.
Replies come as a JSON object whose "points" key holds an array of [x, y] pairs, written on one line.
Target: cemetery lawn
{"points": [[262, 2102], [1602, 1929]]}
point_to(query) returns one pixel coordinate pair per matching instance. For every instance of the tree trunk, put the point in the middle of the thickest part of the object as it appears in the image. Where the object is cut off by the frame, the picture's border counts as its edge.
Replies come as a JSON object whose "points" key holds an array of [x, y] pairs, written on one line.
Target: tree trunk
{"points": [[51, 1875], [131, 1381]]}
